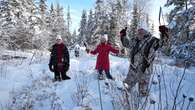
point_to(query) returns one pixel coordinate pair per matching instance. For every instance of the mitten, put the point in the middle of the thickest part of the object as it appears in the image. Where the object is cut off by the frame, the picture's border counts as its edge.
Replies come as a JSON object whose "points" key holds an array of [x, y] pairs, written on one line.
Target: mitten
{"points": [[87, 50], [123, 51]]}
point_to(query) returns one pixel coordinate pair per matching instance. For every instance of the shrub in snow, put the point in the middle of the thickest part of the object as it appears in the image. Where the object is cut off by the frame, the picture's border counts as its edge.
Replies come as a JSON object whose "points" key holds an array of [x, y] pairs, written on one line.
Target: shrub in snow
{"points": [[81, 97], [37, 95]]}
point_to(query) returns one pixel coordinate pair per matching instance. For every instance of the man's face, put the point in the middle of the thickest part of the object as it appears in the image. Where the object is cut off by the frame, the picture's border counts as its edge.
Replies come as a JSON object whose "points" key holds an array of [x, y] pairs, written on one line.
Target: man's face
{"points": [[140, 34]]}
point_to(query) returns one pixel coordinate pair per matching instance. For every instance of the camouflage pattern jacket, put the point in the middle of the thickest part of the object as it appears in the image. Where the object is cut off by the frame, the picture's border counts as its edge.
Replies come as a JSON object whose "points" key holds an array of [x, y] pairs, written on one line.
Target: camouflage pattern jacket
{"points": [[142, 52]]}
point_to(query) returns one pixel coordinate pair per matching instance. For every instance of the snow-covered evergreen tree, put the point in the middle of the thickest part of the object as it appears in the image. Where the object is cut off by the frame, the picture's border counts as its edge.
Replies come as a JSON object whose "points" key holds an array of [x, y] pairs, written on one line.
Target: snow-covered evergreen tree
{"points": [[50, 22], [135, 20], [26, 25], [90, 28], [98, 11], [181, 22], [83, 27], [123, 9], [60, 27], [18, 26], [5, 23], [42, 8], [113, 23], [69, 22], [74, 37], [42, 34], [101, 18]]}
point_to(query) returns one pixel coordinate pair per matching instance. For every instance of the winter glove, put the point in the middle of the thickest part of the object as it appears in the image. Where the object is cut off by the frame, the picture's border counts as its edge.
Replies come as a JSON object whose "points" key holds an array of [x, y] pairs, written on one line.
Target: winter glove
{"points": [[122, 51], [87, 50], [51, 67], [164, 30], [123, 32]]}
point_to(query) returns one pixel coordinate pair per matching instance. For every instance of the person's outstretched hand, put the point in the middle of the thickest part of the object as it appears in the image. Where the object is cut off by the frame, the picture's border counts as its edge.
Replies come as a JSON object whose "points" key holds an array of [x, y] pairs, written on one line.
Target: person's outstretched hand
{"points": [[122, 51], [164, 30], [87, 50], [123, 32]]}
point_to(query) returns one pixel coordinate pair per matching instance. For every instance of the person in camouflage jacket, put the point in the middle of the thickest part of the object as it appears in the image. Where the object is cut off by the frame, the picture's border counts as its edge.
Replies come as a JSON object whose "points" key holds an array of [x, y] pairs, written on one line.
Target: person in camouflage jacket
{"points": [[142, 53], [59, 60]]}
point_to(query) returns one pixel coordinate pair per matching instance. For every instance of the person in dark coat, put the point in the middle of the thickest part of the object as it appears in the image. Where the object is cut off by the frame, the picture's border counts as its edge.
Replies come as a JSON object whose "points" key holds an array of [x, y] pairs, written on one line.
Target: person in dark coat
{"points": [[103, 62], [59, 60], [76, 50]]}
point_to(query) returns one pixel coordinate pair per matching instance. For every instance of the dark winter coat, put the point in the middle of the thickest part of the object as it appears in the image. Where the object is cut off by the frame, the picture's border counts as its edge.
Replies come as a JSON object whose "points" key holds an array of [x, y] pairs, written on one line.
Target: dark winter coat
{"points": [[103, 50], [59, 57]]}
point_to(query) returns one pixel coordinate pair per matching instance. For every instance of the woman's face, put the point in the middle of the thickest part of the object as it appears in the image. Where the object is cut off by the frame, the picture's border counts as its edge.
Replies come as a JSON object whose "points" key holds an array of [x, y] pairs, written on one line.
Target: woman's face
{"points": [[58, 41], [103, 40]]}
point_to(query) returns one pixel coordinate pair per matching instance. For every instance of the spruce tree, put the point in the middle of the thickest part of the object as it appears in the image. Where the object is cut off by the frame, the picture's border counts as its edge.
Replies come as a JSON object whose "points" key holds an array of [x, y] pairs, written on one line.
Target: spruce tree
{"points": [[135, 21], [69, 22], [60, 27], [83, 25], [90, 28], [181, 20]]}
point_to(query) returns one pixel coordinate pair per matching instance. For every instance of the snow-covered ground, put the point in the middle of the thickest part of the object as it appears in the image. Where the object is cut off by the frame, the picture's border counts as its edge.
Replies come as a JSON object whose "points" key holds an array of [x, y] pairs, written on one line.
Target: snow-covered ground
{"points": [[27, 84]]}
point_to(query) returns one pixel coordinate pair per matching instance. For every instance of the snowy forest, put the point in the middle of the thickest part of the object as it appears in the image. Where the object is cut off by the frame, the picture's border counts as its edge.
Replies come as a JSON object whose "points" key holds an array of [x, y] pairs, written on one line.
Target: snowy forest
{"points": [[29, 30]]}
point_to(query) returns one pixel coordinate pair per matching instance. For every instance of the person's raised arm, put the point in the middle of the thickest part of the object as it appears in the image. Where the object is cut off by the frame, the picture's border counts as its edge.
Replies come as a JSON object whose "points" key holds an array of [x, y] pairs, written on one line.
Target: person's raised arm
{"points": [[125, 41], [113, 50]]}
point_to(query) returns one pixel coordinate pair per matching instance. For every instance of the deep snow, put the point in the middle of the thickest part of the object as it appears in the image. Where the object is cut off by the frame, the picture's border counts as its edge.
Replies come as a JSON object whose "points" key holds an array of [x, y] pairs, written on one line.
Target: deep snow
{"points": [[32, 83]]}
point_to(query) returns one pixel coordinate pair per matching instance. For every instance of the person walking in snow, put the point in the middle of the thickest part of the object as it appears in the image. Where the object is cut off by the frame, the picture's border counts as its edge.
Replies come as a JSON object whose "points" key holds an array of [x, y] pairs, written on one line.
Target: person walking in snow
{"points": [[59, 60], [142, 53], [103, 62], [76, 50]]}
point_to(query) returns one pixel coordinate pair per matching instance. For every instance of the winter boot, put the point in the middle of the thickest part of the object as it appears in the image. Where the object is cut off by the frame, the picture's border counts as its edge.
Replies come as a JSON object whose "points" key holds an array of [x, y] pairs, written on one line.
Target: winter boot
{"points": [[143, 93], [100, 77], [109, 76], [143, 88], [57, 78], [65, 77]]}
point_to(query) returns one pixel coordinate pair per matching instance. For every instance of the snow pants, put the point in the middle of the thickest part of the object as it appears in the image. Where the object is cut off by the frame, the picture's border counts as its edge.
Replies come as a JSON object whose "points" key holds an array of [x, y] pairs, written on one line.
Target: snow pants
{"points": [[135, 76], [59, 75]]}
